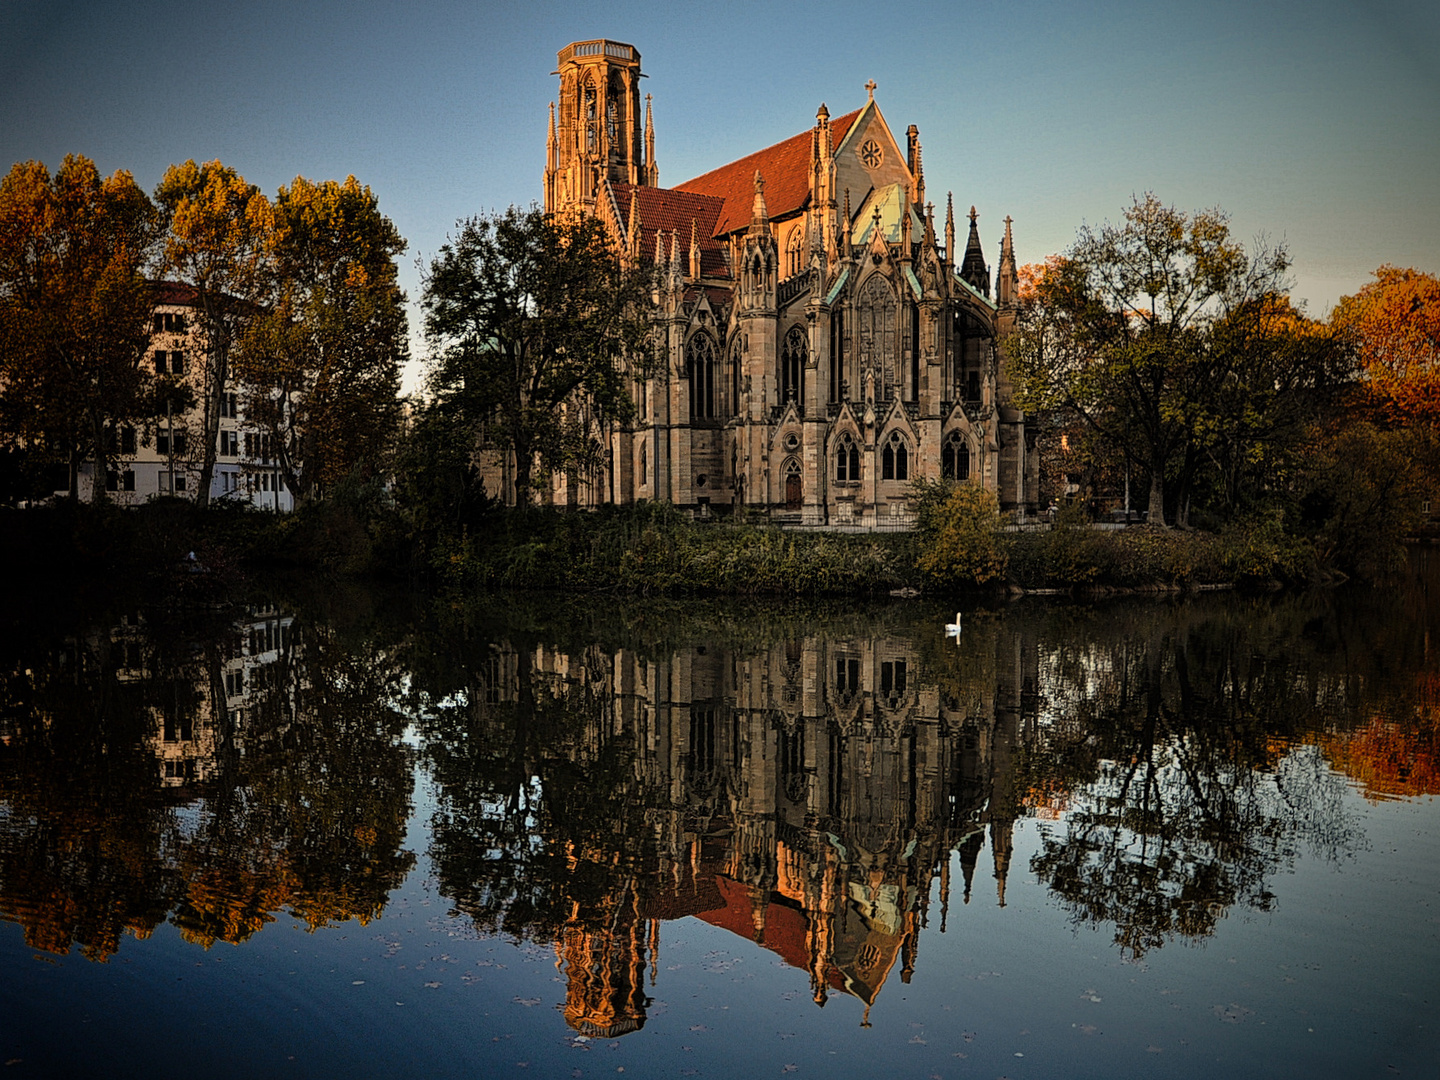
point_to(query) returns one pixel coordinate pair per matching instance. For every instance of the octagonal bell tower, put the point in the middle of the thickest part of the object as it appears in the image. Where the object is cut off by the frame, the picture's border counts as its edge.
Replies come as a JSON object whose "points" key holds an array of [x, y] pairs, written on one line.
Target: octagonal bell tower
{"points": [[597, 133]]}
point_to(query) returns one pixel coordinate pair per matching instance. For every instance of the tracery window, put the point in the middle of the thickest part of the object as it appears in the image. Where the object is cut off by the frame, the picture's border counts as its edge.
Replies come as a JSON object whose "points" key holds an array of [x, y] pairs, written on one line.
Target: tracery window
{"points": [[955, 458], [876, 312], [792, 366], [734, 406], [700, 369], [847, 460], [895, 459], [793, 252], [588, 93]]}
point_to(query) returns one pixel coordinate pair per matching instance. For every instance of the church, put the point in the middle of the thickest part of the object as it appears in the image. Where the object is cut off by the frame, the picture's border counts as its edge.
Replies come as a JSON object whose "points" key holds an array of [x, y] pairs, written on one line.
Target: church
{"points": [[822, 343]]}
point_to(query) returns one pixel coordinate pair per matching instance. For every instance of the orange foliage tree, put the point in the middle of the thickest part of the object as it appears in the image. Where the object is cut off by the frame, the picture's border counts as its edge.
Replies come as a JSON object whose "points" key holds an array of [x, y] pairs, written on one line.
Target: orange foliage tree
{"points": [[1395, 320]]}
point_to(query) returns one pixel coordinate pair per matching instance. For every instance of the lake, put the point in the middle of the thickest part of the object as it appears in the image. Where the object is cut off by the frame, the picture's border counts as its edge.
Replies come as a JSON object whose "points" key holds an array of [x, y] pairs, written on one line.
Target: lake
{"points": [[334, 832]]}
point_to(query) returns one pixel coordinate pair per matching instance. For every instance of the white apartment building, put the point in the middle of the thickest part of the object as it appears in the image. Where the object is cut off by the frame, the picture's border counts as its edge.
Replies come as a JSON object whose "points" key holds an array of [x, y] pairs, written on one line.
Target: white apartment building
{"points": [[162, 455]]}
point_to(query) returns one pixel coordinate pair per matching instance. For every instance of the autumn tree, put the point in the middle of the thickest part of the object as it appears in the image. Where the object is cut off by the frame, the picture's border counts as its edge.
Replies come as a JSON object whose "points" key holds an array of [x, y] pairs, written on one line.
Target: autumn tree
{"points": [[216, 240], [1395, 321], [1119, 330], [321, 361], [75, 307], [527, 314]]}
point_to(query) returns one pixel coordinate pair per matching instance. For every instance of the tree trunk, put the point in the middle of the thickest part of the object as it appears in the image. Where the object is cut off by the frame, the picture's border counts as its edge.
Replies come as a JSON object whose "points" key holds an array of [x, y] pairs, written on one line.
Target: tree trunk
{"points": [[99, 490], [1157, 493]]}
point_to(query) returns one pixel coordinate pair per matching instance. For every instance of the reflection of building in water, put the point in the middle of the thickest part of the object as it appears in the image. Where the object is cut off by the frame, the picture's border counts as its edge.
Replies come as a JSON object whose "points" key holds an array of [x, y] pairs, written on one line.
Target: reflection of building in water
{"points": [[806, 798], [210, 700]]}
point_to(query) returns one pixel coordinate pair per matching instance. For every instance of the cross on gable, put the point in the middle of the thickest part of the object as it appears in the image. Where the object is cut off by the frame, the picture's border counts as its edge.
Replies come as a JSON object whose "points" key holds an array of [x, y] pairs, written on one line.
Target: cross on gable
{"points": [[870, 86]]}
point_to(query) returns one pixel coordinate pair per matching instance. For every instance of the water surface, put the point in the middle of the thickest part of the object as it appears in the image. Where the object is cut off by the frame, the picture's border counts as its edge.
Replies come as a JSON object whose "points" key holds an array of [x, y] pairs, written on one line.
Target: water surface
{"points": [[345, 835]]}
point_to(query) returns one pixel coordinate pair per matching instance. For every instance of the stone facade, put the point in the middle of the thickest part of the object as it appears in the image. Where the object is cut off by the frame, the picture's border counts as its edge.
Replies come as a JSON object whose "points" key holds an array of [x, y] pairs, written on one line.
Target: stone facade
{"points": [[822, 343]]}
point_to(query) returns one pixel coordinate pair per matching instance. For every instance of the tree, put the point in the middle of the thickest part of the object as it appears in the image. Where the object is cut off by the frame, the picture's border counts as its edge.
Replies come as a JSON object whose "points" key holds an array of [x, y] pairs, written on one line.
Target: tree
{"points": [[1118, 329], [217, 231], [1395, 321], [74, 308], [321, 360], [1272, 377], [529, 315], [959, 534]]}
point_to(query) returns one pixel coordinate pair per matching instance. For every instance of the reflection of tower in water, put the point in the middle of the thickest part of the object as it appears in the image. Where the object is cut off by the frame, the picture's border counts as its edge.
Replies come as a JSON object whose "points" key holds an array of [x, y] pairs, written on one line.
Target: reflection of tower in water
{"points": [[604, 966]]}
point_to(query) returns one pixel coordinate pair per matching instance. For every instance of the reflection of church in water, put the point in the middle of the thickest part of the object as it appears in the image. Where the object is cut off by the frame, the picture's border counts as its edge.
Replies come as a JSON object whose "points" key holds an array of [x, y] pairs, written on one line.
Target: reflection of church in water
{"points": [[806, 798]]}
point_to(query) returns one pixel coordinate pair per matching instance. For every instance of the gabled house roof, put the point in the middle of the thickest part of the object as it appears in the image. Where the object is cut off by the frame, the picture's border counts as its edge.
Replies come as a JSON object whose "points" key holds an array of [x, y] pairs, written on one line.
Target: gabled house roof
{"points": [[785, 168]]}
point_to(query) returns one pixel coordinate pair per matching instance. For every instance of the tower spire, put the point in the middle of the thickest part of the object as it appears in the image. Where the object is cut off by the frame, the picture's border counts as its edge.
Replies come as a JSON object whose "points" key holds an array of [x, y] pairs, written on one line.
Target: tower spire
{"points": [[1007, 288], [694, 250], [973, 268], [632, 230], [950, 227], [760, 214], [652, 171]]}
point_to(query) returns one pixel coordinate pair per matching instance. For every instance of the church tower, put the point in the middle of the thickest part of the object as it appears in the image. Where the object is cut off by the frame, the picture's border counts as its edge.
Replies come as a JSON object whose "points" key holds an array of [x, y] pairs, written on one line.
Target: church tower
{"points": [[597, 135]]}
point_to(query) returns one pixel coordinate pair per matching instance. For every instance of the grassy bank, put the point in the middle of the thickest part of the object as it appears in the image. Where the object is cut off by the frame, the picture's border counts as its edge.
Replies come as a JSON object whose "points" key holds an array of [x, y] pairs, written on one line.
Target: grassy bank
{"points": [[642, 550]]}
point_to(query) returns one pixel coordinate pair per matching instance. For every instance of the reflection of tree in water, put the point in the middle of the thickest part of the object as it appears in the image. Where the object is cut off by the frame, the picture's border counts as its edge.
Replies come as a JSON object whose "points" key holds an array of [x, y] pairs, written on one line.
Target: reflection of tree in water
{"points": [[1201, 790], [141, 782]]}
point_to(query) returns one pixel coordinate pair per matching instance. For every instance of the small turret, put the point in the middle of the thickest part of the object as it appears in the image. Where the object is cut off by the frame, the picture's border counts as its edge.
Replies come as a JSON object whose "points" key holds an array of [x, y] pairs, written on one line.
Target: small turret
{"points": [[1008, 285], [950, 228], [632, 229], [973, 269], [652, 171], [694, 250], [759, 214]]}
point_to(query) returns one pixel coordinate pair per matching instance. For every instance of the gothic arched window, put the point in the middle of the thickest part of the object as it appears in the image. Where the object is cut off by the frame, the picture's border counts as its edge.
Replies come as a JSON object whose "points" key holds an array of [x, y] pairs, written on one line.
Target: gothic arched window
{"points": [[895, 459], [794, 252], [700, 368], [644, 470], [876, 311], [792, 366], [847, 460], [955, 458], [734, 379], [588, 107]]}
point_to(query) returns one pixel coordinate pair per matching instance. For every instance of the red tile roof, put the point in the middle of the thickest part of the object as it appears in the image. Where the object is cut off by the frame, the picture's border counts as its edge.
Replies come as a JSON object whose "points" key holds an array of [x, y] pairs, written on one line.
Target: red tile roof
{"points": [[785, 167], [665, 210], [173, 292]]}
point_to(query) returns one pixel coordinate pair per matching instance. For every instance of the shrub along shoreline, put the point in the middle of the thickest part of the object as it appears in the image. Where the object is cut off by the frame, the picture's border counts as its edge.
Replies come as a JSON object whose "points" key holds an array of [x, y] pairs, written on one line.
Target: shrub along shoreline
{"points": [[650, 549]]}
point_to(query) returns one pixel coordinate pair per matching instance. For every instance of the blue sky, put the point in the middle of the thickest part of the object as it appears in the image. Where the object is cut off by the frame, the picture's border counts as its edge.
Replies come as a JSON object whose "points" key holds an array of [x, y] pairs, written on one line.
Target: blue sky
{"points": [[1314, 123]]}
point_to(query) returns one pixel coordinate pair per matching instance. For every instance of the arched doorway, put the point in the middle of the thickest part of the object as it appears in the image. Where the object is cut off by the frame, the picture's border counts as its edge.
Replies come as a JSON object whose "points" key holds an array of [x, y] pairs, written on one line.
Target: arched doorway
{"points": [[792, 486]]}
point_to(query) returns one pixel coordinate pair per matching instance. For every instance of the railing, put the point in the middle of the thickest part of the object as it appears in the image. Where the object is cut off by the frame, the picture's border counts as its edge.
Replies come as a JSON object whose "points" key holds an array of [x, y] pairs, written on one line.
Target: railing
{"points": [[792, 287], [601, 47]]}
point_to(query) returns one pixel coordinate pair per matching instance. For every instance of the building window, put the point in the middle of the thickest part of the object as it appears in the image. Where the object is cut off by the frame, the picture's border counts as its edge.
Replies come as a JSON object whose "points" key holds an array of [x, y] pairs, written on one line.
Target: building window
{"points": [[895, 459], [229, 444], [837, 348], [644, 466], [792, 366], [972, 386], [127, 480], [847, 460], [700, 367], [230, 406], [876, 312], [955, 458], [162, 443], [794, 252], [734, 379]]}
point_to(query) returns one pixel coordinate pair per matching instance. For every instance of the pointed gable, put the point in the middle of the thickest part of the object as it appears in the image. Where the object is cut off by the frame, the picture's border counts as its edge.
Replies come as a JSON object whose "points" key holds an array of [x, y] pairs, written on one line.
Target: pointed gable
{"points": [[786, 169]]}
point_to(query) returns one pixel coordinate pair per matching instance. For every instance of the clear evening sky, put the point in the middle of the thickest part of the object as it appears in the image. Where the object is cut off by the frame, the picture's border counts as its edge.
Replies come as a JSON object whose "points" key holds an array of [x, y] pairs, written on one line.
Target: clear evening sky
{"points": [[1315, 123]]}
